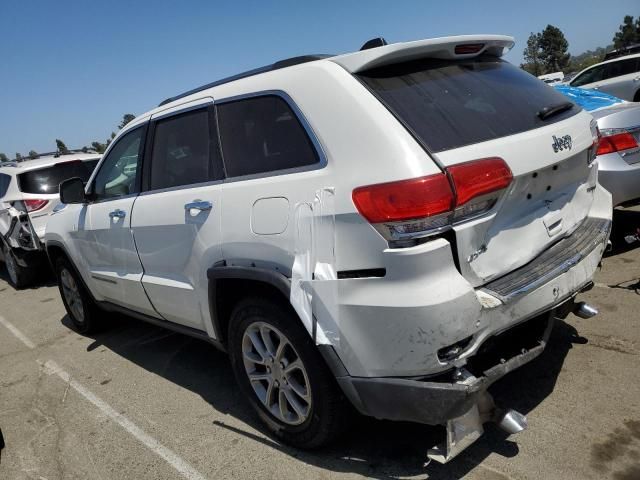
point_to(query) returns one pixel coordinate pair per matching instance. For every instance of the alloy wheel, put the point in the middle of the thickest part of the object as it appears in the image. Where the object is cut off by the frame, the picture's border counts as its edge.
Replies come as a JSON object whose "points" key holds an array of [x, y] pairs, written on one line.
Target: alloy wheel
{"points": [[72, 294], [12, 268], [276, 373]]}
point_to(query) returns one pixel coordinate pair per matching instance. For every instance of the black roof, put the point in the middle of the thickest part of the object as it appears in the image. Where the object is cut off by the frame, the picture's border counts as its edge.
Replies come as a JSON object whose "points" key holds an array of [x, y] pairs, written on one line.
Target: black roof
{"points": [[268, 68]]}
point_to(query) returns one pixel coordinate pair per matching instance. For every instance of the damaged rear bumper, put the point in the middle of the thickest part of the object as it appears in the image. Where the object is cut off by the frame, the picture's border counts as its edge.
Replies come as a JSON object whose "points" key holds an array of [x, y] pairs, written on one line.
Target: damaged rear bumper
{"points": [[435, 400], [18, 233]]}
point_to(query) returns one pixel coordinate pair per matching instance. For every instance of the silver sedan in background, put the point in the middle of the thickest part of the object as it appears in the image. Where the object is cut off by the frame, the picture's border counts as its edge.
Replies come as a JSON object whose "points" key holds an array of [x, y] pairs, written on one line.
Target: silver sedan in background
{"points": [[619, 151]]}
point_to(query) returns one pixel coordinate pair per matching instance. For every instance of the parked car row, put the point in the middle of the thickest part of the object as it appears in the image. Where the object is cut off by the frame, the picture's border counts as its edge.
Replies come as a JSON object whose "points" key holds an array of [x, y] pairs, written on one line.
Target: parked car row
{"points": [[28, 195], [390, 230]]}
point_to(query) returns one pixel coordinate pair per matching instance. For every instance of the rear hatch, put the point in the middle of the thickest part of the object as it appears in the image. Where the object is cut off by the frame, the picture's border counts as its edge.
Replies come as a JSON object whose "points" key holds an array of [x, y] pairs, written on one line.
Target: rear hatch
{"points": [[476, 108], [40, 188]]}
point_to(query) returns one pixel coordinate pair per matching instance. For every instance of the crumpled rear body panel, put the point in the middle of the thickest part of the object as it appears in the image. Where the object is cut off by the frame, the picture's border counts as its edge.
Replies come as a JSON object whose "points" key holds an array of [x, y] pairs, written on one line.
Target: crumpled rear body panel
{"points": [[16, 228]]}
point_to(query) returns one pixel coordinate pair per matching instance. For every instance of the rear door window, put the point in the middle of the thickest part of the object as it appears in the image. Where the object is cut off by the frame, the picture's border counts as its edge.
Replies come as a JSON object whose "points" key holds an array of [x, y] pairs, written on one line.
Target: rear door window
{"points": [[449, 104], [47, 180], [621, 67], [262, 134]]}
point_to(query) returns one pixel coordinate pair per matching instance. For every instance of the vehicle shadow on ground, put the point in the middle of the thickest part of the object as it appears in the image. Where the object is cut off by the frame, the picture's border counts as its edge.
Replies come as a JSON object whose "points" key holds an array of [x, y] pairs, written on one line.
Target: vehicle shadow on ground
{"points": [[625, 222], [373, 448], [44, 278]]}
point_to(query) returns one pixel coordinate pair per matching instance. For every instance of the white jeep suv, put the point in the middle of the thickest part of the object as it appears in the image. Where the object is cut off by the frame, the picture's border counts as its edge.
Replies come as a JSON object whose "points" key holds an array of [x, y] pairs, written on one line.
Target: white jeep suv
{"points": [[28, 195], [389, 228]]}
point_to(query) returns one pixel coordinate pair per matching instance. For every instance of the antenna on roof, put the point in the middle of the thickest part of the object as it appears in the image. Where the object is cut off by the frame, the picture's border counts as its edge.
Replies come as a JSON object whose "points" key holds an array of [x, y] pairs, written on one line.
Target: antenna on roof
{"points": [[374, 43]]}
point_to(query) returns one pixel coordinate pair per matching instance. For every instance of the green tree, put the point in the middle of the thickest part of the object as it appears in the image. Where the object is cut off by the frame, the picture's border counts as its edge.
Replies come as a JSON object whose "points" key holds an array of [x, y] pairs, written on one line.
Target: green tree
{"points": [[532, 63], [18, 157], [61, 147], [3, 158], [126, 118], [628, 33], [553, 49], [98, 147], [33, 154]]}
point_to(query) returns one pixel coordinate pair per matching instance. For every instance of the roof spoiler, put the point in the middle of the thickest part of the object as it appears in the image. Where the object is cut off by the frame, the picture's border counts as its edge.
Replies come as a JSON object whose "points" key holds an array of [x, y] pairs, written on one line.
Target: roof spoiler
{"points": [[451, 48]]}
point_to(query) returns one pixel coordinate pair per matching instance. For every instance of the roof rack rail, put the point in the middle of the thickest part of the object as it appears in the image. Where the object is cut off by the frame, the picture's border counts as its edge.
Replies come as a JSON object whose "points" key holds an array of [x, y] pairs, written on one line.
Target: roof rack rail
{"points": [[288, 62], [10, 163], [55, 154]]}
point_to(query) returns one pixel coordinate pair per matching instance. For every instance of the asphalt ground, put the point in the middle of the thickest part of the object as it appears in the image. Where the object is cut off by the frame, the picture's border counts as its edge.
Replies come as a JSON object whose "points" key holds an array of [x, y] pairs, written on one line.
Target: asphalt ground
{"points": [[140, 402]]}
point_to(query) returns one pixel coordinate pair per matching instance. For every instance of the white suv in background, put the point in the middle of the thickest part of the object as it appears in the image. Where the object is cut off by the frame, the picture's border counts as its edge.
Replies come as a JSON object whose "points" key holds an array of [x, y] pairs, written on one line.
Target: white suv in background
{"points": [[28, 195], [389, 228], [619, 77]]}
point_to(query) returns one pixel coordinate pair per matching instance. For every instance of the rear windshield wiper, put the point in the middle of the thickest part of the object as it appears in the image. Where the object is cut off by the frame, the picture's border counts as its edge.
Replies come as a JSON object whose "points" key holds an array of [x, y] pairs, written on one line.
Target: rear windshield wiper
{"points": [[552, 110]]}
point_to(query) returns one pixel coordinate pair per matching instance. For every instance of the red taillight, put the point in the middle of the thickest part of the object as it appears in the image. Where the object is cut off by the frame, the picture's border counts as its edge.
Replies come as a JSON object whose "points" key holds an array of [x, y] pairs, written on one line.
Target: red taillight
{"points": [[616, 143], [479, 177], [404, 200], [428, 204], [468, 48], [35, 204]]}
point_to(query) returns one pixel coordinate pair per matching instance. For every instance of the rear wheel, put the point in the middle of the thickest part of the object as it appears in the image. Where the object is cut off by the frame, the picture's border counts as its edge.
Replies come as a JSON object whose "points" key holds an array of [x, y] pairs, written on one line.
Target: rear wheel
{"points": [[82, 310], [19, 276], [284, 377]]}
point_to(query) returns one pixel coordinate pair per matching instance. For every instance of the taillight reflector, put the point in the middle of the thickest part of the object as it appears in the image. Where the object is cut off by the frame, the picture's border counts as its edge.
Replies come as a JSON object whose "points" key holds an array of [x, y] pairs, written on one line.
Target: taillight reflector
{"points": [[35, 204], [468, 48], [479, 177], [423, 205], [404, 200], [616, 143]]}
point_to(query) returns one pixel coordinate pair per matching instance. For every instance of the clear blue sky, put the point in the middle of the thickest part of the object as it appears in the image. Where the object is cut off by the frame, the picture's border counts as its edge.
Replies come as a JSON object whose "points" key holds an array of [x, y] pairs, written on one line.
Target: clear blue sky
{"points": [[70, 69]]}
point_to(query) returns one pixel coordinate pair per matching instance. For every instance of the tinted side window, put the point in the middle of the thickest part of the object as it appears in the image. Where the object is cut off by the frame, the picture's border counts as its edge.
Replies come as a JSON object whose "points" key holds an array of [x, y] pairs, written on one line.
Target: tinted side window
{"points": [[119, 171], [5, 180], [594, 75], [262, 134], [622, 67], [181, 151]]}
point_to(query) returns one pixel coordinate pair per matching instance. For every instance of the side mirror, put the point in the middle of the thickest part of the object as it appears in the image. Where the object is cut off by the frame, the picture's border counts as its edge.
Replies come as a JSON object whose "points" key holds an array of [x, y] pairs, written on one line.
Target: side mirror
{"points": [[72, 191]]}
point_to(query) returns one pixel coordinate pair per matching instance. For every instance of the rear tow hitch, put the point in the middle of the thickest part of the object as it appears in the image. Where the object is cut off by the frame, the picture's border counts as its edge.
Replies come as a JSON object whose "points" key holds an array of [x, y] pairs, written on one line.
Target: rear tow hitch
{"points": [[467, 428]]}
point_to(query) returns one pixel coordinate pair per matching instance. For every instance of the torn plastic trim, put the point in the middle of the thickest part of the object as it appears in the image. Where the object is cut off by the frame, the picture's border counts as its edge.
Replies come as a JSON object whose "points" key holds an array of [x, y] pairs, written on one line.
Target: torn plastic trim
{"points": [[19, 233], [431, 403]]}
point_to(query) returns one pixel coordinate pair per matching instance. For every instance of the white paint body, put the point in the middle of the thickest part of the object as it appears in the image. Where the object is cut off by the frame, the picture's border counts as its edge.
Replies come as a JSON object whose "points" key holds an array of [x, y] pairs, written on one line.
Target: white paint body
{"points": [[305, 225]]}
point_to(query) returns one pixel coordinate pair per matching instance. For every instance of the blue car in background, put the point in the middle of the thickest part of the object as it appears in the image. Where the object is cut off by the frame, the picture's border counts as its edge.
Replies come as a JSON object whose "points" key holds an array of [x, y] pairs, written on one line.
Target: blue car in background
{"points": [[619, 147]]}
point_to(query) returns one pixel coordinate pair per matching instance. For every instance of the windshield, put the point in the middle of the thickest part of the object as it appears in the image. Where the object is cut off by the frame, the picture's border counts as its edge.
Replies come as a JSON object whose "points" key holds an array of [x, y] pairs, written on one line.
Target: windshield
{"points": [[448, 104], [47, 180]]}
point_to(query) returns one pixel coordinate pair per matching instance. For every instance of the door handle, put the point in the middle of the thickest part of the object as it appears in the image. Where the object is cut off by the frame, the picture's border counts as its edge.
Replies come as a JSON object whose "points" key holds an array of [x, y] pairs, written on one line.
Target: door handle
{"points": [[198, 205], [117, 214]]}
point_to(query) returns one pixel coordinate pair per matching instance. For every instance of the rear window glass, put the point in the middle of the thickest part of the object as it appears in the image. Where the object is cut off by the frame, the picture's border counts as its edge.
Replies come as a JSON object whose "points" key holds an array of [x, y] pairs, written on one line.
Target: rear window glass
{"points": [[5, 180], [449, 104], [47, 180]]}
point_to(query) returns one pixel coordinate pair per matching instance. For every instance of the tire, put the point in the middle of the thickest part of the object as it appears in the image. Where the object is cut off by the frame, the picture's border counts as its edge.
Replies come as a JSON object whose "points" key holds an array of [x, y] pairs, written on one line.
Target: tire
{"points": [[19, 276], [636, 97], [326, 412], [82, 310]]}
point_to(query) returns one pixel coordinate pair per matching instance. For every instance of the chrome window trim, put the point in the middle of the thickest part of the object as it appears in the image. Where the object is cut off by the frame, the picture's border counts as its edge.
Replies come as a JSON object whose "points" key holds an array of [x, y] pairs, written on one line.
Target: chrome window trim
{"points": [[322, 158], [206, 103], [181, 187]]}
